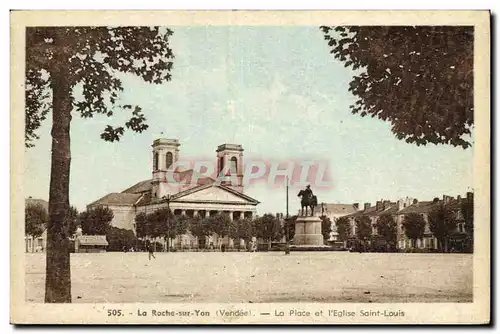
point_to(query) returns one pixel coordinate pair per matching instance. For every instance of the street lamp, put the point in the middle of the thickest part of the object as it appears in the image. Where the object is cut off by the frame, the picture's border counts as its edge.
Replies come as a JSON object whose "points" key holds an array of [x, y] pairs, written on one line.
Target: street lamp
{"points": [[167, 198]]}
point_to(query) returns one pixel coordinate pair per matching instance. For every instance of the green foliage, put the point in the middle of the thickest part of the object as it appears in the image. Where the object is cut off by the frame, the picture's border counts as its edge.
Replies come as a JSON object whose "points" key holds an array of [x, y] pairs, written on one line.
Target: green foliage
{"points": [[221, 224], [181, 224], [417, 78], [73, 220], [36, 219], [96, 221], [162, 223], [246, 229], [363, 227], [90, 57], [343, 228], [387, 228], [442, 222], [326, 227], [467, 210], [141, 225], [268, 228], [199, 227], [119, 238], [414, 226]]}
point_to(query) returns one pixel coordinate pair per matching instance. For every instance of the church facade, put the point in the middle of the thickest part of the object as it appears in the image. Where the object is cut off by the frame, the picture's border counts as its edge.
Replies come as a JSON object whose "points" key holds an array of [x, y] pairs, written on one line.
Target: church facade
{"points": [[185, 192]]}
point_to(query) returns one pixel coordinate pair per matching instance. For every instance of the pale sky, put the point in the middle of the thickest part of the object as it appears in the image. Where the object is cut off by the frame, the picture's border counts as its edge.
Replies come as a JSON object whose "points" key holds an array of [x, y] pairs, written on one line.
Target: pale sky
{"points": [[279, 93]]}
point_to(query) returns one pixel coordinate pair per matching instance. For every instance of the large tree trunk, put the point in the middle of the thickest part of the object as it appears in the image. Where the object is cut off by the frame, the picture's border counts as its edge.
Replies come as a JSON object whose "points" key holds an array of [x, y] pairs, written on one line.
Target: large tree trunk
{"points": [[58, 278]]}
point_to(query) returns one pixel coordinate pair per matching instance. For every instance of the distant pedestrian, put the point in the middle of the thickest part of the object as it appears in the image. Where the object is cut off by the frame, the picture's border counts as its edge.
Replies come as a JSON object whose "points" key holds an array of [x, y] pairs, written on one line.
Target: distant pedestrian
{"points": [[151, 252], [253, 246]]}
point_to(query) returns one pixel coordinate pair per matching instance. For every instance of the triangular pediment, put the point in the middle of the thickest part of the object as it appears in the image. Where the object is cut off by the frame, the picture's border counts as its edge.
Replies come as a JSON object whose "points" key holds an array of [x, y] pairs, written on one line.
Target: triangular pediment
{"points": [[214, 193]]}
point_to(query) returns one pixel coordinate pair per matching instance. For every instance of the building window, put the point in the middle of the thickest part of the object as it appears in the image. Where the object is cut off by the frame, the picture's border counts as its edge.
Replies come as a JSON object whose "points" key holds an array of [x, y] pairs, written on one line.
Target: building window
{"points": [[461, 227], [155, 162], [169, 160], [221, 164], [234, 165]]}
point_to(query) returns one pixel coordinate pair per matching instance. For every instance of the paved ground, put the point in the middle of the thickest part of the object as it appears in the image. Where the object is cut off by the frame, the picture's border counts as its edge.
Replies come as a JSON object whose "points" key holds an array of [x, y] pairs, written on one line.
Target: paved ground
{"points": [[261, 277]]}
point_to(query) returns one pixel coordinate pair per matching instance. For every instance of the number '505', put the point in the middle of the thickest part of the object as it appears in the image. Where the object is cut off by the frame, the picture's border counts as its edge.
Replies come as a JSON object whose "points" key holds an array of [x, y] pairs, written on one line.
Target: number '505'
{"points": [[114, 313]]}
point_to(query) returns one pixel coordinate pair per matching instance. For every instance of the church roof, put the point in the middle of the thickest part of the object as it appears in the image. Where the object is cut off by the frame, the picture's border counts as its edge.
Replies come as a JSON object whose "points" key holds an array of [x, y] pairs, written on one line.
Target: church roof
{"points": [[201, 187], [140, 187], [182, 177], [118, 199], [140, 193], [187, 176]]}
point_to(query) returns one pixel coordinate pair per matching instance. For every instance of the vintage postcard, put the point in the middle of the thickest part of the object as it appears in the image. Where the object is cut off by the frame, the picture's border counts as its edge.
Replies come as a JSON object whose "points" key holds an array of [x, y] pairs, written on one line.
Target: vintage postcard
{"points": [[250, 167]]}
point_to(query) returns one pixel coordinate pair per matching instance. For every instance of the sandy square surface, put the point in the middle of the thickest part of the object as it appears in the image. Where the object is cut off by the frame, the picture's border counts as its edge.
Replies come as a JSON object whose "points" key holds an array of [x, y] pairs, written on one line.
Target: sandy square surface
{"points": [[330, 277]]}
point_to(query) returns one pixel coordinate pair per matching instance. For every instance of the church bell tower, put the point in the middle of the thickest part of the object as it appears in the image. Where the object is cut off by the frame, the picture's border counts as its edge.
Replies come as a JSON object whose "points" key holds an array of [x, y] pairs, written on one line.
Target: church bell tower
{"points": [[165, 154], [230, 160]]}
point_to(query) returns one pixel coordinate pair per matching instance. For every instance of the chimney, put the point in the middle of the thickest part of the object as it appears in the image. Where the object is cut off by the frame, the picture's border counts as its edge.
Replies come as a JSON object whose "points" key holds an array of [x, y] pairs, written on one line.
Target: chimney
{"points": [[378, 206], [447, 199], [400, 204], [386, 205], [459, 198], [356, 206], [367, 205], [470, 197]]}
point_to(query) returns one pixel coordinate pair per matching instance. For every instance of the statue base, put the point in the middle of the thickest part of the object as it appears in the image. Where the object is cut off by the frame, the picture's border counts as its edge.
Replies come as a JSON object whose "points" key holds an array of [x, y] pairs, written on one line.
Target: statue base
{"points": [[308, 232]]}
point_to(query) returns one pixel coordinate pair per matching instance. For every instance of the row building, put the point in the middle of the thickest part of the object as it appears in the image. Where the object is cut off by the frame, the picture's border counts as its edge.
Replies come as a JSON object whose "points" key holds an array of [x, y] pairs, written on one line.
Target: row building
{"points": [[398, 210]]}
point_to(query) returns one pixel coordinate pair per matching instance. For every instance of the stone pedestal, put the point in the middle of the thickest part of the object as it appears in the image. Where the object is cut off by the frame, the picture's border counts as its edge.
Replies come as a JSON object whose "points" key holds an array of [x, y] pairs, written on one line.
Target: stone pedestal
{"points": [[308, 232]]}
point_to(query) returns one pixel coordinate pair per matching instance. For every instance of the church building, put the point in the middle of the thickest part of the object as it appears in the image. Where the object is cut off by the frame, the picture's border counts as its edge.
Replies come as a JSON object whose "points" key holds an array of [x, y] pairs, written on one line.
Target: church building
{"points": [[189, 194]]}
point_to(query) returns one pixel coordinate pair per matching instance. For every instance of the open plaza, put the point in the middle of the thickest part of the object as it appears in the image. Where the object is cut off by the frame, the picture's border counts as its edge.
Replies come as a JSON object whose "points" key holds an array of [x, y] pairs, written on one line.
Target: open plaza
{"points": [[262, 277]]}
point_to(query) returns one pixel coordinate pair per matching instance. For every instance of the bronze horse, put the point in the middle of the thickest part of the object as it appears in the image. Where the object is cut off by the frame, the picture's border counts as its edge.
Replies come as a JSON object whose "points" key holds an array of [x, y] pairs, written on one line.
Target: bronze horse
{"points": [[308, 200]]}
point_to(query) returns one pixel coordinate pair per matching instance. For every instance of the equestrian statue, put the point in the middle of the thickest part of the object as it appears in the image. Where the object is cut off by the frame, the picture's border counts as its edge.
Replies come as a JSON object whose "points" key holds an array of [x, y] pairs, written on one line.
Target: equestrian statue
{"points": [[308, 199]]}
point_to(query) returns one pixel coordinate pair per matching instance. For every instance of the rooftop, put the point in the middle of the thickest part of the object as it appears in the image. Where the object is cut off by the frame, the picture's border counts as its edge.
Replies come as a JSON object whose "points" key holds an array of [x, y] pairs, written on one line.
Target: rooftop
{"points": [[118, 199], [231, 147], [339, 208], [166, 141]]}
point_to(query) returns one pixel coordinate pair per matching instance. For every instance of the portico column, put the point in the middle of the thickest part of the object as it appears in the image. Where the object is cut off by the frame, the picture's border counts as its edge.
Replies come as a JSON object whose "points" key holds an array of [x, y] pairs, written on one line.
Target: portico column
{"points": [[183, 212], [242, 215], [195, 213]]}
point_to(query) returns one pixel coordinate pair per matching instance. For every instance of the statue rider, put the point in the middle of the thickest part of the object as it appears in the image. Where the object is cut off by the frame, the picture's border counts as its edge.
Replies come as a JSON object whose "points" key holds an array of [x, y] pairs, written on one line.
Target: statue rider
{"points": [[307, 199], [308, 192]]}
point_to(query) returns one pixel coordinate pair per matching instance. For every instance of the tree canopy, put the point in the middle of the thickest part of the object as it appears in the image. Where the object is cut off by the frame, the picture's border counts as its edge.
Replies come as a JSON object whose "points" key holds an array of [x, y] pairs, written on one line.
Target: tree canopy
{"points": [[246, 229], [414, 226], [363, 227], [96, 221], [417, 78], [343, 228], [199, 227], [326, 227], [387, 228], [269, 228], [91, 57], [442, 222], [36, 218]]}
